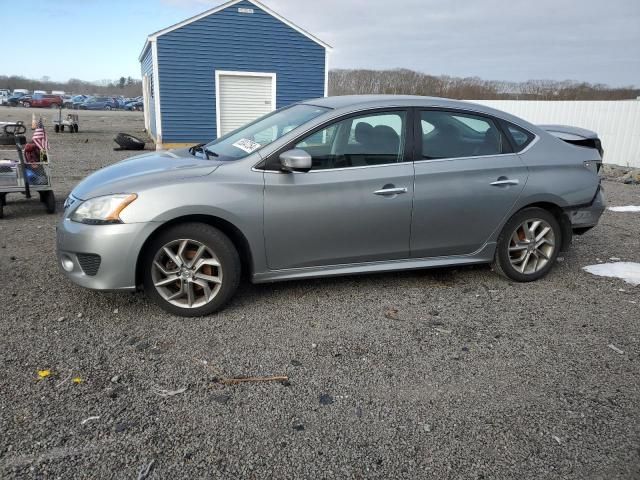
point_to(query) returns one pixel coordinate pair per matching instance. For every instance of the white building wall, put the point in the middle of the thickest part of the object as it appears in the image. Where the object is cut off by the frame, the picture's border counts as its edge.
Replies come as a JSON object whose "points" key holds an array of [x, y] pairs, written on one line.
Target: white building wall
{"points": [[616, 122]]}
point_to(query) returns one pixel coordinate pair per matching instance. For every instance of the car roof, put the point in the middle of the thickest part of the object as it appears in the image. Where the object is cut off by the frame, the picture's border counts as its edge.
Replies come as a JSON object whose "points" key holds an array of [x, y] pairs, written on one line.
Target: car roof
{"points": [[346, 103]]}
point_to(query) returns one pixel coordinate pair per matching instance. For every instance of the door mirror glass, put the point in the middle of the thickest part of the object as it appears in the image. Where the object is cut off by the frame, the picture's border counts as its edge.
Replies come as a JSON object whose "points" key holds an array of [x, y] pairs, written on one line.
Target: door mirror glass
{"points": [[295, 161]]}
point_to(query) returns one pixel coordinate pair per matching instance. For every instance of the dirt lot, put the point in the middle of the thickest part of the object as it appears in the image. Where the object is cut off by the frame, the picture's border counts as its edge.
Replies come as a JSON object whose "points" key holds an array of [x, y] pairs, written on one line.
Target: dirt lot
{"points": [[450, 373]]}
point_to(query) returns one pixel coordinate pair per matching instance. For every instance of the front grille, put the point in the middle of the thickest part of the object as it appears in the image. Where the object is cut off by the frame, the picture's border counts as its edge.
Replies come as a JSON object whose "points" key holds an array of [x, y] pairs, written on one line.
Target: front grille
{"points": [[90, 263]]}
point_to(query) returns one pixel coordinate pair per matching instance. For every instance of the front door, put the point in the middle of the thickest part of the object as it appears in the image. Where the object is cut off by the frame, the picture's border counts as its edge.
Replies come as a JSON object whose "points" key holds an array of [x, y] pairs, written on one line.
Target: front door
{"points": [[353, 206], [467, 181]]}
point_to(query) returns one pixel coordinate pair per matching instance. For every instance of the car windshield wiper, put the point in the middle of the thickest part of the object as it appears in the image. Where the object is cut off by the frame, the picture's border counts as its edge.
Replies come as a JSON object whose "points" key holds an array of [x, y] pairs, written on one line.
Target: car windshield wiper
{"points": [[201, 148], [208, 152]]}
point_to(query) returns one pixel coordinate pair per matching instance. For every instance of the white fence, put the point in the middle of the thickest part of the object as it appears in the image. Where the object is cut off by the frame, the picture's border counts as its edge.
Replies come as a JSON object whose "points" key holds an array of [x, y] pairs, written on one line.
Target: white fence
{"points": [[616, 122]]}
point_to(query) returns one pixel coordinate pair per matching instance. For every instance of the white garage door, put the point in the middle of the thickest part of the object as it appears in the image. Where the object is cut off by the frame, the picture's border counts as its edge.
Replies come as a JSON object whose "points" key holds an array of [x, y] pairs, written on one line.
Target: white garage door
{"points": [[243, 97]]}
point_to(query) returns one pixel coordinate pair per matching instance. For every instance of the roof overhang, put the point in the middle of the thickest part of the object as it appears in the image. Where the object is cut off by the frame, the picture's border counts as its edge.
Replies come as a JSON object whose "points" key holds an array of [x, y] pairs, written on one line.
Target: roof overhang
{"points": [[153, 37]]}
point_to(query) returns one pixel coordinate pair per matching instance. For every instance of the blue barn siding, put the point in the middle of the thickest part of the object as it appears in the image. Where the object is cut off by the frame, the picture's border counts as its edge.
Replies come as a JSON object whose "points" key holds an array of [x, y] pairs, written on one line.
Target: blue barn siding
{"points": [[229, 40], [147, 69]]}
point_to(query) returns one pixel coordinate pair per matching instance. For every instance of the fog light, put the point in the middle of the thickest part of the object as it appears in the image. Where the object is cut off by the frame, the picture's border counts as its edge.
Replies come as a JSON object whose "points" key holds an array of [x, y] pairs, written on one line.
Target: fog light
{"points": [[67, 263]]}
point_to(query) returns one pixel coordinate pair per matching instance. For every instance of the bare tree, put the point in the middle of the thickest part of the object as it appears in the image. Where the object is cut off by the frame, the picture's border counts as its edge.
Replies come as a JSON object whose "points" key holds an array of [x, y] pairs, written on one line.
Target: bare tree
{"points": [[403, 81]]}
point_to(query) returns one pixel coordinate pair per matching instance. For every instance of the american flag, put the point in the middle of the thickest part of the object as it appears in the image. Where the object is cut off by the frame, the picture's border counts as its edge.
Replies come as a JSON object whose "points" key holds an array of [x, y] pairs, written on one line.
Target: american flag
{"points": [[40, 137]]}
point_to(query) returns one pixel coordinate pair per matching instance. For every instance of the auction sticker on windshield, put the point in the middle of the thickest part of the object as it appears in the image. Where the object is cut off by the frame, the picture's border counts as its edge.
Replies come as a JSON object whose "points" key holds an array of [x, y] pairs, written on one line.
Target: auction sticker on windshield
{"points": [[247, 145]]}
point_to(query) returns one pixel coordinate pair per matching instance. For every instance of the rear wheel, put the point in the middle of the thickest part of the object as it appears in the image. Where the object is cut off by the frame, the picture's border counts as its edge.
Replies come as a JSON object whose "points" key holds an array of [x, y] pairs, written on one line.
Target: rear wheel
{"points": [[107, 107], [191, 270], [26, 104], [528, 245]]}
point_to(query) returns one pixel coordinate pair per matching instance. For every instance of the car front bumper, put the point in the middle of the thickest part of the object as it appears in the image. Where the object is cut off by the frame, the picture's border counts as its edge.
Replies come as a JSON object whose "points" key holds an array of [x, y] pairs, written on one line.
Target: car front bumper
{"points": [[585, 217], [101, 257]]}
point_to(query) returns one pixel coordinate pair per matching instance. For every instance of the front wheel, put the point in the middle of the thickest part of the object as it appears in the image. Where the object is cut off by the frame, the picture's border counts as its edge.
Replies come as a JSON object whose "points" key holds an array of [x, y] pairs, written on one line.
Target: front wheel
{"points": [[528, 245], [191, 270]]}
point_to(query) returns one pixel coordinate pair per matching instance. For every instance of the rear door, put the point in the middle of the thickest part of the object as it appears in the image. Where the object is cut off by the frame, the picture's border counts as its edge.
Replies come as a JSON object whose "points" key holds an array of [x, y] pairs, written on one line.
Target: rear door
{"points": [[353, 206], [467, 180]]}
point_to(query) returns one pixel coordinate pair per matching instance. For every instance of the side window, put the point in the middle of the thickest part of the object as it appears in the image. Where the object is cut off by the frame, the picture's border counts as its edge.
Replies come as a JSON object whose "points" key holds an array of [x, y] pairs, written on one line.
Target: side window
{"points": [[520, 137], [447, 134], [374, 139]]}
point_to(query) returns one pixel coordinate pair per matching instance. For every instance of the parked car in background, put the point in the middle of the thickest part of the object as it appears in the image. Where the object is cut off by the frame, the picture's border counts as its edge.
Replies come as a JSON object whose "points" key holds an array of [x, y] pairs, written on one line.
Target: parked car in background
{"points": [[43, 101], [334, 186], [99, 103], [75, 101], [134, 105], [22, 91], [17, 98]]}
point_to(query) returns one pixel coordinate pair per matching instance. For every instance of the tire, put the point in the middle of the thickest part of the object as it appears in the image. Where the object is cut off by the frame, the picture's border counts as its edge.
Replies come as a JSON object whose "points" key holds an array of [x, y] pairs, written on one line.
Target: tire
{"points": [[75, 127], [49, 200], [26, 104], [217, 249], [517, 257], [57, 128], [129, 142], [107, 107]]}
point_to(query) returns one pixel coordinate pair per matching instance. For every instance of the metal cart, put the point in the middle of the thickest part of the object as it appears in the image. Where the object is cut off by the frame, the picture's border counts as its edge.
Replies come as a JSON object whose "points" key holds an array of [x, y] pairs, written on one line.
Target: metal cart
{"points": [[18, 176], [70, 121]]}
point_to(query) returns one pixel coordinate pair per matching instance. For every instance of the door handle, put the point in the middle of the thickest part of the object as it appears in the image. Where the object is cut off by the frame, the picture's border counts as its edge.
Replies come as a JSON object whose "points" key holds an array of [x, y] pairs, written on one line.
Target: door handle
{"points": [[391, 191], [498, 183]]}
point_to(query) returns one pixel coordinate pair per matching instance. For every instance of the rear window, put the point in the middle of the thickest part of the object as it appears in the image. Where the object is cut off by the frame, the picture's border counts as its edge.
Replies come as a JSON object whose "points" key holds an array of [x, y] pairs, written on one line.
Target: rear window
{"points": [[519, 136]]}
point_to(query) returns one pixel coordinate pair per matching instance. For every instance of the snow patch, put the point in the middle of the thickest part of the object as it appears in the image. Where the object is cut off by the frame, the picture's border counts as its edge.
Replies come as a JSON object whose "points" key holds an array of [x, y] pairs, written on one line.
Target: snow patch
{"points": [[627, 271], [626, 208]]}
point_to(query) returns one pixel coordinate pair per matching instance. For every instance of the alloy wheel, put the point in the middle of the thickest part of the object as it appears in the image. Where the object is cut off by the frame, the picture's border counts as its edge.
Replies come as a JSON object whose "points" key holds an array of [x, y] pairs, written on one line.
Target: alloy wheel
{"points": [[531, 246], [186, 273]]}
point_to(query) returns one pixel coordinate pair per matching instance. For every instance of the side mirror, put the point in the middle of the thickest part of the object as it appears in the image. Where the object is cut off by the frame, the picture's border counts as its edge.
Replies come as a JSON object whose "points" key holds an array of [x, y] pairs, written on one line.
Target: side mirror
{"points": [[295, 161]]}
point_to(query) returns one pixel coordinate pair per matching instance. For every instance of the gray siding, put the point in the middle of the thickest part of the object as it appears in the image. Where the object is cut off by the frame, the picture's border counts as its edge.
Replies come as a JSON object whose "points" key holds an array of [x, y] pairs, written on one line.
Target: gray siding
{"points": [[147, 69], [229, 40]]}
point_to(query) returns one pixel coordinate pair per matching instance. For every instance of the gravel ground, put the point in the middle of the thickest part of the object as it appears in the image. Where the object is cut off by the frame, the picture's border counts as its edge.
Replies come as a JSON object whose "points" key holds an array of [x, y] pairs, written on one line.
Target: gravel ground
{"points": [[449, 373]]}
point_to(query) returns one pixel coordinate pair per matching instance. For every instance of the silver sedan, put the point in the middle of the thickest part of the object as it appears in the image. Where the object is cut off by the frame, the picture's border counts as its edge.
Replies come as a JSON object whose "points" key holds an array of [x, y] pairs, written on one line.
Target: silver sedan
{"points": [[334, 186]]}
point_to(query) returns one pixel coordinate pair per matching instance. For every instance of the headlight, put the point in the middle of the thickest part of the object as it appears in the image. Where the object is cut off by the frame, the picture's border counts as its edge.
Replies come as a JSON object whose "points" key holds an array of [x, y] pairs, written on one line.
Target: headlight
{"points": [[103, 210]]}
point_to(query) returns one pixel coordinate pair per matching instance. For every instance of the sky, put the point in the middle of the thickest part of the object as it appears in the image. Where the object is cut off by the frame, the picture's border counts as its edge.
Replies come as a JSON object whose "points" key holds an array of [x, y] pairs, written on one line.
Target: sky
{"points": [[587, 40]]}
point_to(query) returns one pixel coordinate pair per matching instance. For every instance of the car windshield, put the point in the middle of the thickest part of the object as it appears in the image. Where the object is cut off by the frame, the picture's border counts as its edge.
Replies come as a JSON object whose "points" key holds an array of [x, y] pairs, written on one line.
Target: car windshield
{"points": [[263, 131]]}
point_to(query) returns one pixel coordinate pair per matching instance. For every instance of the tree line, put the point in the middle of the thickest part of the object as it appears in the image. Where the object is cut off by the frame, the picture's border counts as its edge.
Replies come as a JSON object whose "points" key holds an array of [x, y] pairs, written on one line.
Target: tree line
{"points": [[397, 81], [125, 86], [409, 82]]}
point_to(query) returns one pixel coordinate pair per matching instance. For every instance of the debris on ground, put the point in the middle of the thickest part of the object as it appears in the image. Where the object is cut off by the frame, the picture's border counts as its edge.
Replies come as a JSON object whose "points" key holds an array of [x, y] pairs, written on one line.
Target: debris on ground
{"points": [[76, 380], [168, 393], [392, 314], [326, 399], [42, 374], [615, 349], [557, 439], [66, 379], [88, 419], [237, 380], [144, 471], [442, 330]]}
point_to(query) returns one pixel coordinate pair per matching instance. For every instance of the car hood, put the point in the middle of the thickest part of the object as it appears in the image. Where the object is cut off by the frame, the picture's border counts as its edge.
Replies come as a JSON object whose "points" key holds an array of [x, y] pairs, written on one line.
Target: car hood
{"points": [[143, 171]]}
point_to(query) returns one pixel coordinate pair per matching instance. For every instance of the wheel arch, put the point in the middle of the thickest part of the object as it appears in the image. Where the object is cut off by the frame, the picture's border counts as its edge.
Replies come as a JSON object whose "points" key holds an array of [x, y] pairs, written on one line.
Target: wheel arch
{"points": [[560, 216], [236, 236]]}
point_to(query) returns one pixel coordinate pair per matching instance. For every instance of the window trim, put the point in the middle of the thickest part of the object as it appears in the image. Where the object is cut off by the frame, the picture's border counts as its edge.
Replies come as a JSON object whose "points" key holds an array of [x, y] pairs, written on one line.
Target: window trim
{"points": [[419, 156], [505, 126], [408, 154]]}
